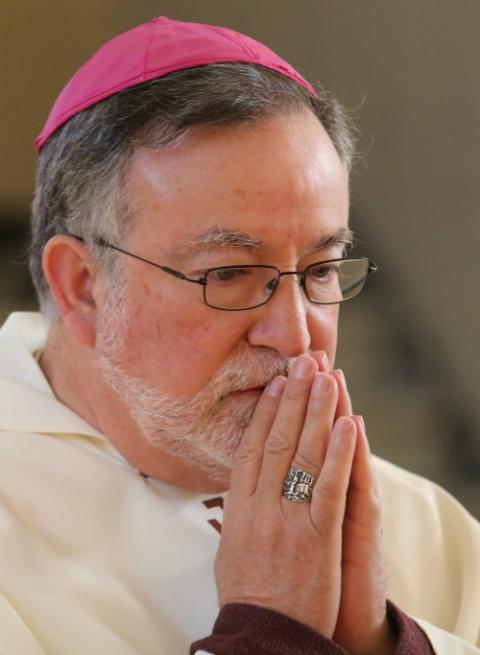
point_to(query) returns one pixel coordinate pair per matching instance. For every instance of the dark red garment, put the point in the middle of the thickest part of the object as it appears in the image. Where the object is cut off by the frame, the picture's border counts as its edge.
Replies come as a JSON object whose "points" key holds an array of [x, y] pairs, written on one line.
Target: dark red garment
{"points": [[242, 629]]}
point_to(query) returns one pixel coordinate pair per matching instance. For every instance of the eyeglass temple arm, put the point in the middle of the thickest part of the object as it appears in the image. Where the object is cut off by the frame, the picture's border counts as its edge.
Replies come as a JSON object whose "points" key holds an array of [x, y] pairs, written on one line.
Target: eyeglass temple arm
{"points": [[105, 244]]}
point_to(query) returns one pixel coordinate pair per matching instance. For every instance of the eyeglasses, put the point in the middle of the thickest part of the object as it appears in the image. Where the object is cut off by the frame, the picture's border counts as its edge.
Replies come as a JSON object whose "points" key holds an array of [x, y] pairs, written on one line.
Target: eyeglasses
{"points": [[237, 288]]}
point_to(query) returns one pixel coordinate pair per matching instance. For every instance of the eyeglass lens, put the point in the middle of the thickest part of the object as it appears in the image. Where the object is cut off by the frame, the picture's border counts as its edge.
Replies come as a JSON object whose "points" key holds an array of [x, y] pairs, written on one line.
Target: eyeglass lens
{"points": [[250, 286]]}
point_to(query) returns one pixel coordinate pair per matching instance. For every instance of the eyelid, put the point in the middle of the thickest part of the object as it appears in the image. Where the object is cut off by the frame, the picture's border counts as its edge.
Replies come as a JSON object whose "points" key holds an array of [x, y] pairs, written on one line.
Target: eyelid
{"points": [[320, 258], [204, 270], [335, 251], [332, 263]]}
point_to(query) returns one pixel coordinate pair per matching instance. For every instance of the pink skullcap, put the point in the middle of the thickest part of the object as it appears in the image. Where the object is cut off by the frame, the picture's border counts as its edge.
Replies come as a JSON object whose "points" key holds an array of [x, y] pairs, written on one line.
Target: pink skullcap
{"points": [[153, 50]]}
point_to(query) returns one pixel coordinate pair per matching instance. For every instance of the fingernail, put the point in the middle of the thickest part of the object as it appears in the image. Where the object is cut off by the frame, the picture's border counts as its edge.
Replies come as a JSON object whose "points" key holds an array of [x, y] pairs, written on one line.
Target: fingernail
{"points": [[340, 373], [343, 427], [275, 387], [321, 360], [302, 366], [324, 363], [362, 433], [321, 385]]}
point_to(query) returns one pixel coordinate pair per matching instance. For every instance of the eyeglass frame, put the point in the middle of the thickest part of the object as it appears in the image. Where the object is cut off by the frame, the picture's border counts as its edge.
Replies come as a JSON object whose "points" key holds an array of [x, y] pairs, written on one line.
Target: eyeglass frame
{"points": [[371, 268]]}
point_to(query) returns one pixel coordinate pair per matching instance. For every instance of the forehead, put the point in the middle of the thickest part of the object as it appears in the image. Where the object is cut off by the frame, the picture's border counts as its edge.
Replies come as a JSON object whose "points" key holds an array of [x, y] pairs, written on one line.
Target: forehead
{"points": [[279, 181]]}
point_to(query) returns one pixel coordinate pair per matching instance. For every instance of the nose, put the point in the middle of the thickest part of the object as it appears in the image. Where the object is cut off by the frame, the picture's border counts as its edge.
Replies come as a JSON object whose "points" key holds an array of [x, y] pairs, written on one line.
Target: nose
{"points": [[282, 323]]}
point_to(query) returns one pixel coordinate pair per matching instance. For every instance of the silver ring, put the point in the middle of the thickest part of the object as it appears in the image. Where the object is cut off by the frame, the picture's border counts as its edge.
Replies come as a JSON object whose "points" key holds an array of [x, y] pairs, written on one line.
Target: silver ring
{"points": [[298, 486]]}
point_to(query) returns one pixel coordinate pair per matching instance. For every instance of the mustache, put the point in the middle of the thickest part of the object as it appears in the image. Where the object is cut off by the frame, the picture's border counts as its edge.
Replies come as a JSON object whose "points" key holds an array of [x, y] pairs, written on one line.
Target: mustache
{"points": [[248, 370]]}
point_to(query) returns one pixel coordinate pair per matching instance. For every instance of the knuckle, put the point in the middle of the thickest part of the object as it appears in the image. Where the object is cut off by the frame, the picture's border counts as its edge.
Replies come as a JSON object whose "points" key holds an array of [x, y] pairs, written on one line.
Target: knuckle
{"points": [[263, 411], [295, 393], [328, 492], [246, 453], [324, 530], [278, 444], [304, 461], [330, 384]]}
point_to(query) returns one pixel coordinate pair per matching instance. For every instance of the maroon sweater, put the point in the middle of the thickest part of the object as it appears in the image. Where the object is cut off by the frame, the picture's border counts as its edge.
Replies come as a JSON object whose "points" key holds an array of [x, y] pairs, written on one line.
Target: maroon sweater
{"points": [[242, 629]]}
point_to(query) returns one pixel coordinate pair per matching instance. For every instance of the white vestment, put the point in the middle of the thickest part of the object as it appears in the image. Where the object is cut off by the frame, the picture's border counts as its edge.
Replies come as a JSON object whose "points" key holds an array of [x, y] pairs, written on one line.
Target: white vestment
{"points": [[96, 558]]}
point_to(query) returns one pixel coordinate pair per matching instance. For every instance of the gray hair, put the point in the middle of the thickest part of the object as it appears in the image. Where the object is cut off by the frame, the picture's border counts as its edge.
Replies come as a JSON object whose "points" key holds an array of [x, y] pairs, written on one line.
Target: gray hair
{"points": [[80, 186]]}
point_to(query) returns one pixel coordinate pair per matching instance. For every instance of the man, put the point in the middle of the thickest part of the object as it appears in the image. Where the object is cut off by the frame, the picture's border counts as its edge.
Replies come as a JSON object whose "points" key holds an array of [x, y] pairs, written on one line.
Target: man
{"points": [[188, 248]]}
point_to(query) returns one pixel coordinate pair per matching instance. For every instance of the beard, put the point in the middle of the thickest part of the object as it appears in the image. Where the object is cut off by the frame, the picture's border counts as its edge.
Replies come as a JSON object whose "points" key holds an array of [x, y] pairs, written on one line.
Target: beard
{"points": [[203, 428]]}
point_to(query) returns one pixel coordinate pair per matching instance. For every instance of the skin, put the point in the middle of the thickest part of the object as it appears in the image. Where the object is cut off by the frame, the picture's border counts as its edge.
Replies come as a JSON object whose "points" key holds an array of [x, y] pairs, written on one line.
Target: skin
{"points": [[280, 180], [306, 421]]}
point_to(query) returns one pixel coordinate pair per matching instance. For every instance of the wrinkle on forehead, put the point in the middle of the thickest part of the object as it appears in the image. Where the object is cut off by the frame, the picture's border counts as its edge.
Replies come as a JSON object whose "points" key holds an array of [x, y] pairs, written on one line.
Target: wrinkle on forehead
{"points": [[221, 239], [279, 184], [212, 240]]}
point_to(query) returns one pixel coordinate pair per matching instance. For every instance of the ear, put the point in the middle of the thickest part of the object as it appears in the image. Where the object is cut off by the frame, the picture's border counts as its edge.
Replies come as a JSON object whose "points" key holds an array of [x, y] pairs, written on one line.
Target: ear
{"points": [[71, 272]]}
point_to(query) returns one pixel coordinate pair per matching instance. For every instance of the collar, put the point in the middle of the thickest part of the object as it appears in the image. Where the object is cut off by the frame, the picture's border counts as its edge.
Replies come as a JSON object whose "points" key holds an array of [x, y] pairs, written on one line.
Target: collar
{"points": [[27, 402]]}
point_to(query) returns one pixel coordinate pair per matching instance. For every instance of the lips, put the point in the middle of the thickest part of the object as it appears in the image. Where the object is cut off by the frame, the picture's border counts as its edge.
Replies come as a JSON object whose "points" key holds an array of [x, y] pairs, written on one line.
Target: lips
{"points": [[250, 389]]}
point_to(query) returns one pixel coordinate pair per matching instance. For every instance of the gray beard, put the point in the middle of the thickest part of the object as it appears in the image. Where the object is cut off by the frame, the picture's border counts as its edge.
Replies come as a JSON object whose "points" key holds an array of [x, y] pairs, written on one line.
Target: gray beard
{"points": [[204, 428]]}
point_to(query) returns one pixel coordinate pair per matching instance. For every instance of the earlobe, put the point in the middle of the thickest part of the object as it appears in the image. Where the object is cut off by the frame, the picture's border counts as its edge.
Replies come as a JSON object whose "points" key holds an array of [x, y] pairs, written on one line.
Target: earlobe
{"points": [[71, 273]]}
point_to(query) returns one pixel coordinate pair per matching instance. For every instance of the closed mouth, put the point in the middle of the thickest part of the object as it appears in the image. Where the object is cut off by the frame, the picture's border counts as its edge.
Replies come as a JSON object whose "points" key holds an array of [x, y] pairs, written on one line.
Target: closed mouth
{"points": [[250, 389]]}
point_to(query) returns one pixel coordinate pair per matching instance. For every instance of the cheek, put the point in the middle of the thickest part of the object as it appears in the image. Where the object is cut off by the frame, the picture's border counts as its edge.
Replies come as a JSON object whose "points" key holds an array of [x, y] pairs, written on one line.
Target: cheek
{"points": [[323, 327], [178, 346]]}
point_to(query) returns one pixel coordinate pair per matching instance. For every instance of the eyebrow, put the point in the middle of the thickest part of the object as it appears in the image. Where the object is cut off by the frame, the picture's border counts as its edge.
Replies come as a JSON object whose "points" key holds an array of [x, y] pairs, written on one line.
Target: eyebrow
{"points": [[343, 237], [217, 239], [220, 238]]}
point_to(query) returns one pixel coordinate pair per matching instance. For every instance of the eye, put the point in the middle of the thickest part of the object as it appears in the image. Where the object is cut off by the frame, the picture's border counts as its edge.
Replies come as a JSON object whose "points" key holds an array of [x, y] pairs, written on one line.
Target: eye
{"points": [[323, 272], [228, 274]]}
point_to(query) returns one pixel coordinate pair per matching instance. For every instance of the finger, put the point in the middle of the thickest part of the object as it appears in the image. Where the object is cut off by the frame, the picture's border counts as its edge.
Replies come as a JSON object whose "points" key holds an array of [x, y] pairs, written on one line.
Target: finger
{"points": [[320, 356], [318, 425], [363, 574], [364, 499], [249, 454], [344, 402], [363, 474], [330, 491], [282, 441]]}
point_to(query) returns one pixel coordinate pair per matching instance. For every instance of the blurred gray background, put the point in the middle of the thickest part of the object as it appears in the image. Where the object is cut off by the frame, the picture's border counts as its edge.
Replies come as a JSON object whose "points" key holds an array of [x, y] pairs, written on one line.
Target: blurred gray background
{"points": [[409, 71]]}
